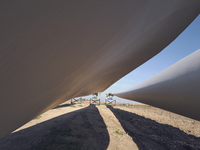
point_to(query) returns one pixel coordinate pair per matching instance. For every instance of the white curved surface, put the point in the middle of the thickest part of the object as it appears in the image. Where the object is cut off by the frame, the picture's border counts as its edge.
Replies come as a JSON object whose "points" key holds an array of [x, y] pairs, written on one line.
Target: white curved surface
{"points": [[52, 51], [175, 89]]}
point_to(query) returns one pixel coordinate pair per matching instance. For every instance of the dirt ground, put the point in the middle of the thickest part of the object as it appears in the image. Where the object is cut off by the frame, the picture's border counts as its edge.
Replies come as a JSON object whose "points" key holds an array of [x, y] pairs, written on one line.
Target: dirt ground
{"points": [[99, 127]]}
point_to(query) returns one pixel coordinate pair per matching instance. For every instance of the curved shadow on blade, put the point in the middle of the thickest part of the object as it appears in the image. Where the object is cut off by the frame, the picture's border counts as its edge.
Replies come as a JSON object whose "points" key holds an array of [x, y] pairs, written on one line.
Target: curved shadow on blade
{"points": [[149, 134], [81, 129]]}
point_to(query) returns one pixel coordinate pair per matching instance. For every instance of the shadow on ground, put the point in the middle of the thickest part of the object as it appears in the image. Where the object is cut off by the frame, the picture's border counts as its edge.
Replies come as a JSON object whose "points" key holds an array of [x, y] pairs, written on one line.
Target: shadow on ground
{"points": [[82, 129], [61, 106], [149, 134]]}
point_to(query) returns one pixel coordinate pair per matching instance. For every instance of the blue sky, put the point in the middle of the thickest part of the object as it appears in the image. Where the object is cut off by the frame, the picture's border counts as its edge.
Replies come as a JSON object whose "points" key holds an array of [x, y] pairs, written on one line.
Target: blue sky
{"points": [[185, 44]]}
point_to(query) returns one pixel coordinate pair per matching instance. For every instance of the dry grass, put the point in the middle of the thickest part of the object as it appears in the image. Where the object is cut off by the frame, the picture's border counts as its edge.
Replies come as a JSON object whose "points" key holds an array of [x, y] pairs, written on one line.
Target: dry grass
{"points": [[84, 126]]}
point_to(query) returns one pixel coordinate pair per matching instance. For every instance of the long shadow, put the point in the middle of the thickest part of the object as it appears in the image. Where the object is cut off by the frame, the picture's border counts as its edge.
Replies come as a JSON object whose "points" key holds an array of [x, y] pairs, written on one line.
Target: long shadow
{"points": [[81, 129], [149, 134], [61, 106]]}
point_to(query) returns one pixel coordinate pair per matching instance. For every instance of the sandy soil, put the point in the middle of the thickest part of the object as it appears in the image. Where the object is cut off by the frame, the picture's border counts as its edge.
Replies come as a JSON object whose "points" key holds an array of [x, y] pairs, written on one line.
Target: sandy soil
{"points": [[90, 127]]}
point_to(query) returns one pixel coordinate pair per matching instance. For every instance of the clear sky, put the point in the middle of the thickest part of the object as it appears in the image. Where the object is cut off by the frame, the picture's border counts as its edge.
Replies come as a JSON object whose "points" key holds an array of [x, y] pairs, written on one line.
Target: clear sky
{"points": [[185, 44]]}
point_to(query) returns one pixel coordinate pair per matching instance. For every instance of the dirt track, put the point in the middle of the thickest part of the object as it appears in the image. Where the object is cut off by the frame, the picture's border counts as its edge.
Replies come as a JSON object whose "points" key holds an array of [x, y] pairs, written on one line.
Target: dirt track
{"points": [[84, 126]]}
